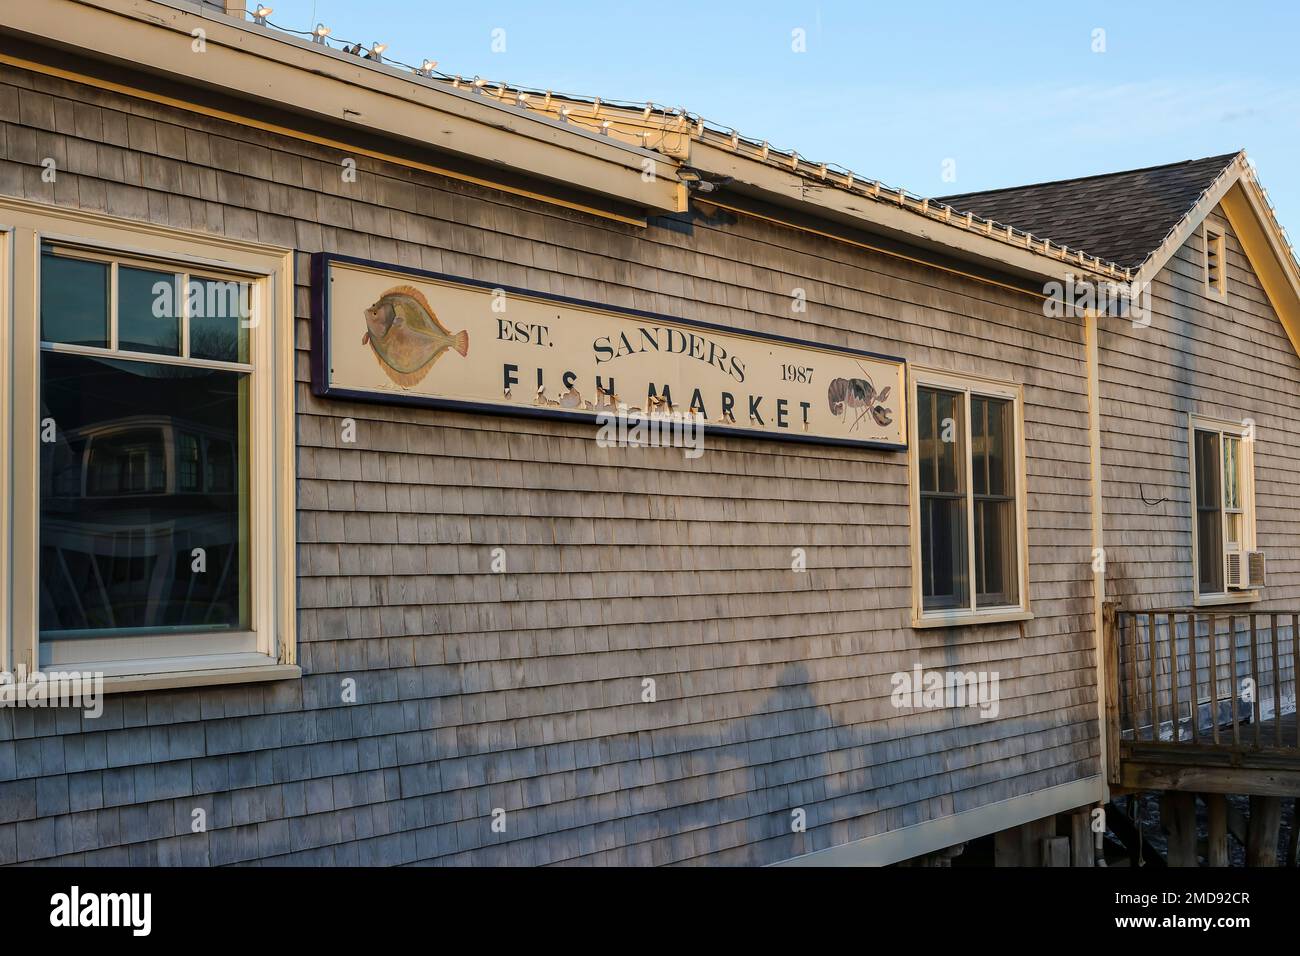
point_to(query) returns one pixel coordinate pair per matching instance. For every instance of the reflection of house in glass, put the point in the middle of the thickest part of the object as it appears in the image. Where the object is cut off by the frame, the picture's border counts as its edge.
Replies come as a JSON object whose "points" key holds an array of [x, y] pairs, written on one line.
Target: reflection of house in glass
{"points": [[127, 499]]}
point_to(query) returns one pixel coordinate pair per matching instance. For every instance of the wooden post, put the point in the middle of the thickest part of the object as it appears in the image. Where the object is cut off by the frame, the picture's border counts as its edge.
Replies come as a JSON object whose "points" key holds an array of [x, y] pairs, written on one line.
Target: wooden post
{"points": [[1277, 687], [1194, 706], [1006, 848], [1232, 681], [1055, 851], [1217, 852], [1110, 640], [1133, 675], [1214, 678], [1022, 845], [1081, 840], [1155, 692], [1173, 674], [1256, 709], [1261, 842], [1178, 813], [1293, 848]]}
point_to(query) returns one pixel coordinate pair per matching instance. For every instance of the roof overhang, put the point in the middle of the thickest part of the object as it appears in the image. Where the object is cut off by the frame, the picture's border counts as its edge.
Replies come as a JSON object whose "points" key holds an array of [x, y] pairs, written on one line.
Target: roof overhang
{"points": [[891, 214], [1238, 192], [380, 103], [380, 108], [1266, 247]]}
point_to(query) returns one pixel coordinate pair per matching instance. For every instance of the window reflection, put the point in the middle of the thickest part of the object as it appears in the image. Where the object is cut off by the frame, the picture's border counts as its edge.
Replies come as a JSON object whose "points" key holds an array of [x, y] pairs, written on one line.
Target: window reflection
{"points": [[144, 469], [148, 311], [74, 301]]}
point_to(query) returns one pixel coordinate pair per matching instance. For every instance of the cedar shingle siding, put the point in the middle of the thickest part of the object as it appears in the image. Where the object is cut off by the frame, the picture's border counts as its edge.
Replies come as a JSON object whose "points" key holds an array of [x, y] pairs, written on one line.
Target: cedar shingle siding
{"points": [[1201, 355], [523, 690]]}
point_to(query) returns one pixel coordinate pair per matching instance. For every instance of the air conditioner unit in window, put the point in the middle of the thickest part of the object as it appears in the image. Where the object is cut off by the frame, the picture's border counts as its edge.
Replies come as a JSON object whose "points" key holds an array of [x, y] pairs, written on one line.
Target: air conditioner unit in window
{"points": [[1245, 570]]}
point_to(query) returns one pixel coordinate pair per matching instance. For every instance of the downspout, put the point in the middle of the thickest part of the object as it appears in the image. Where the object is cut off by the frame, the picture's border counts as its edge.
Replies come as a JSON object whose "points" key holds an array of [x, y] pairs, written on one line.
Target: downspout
{"points": [[1090, 332]]}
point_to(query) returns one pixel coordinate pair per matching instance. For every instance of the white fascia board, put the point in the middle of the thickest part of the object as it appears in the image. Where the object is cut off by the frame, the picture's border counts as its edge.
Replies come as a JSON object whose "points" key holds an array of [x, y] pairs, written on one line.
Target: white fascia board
{"points": [[883, 217], [156, 36]]}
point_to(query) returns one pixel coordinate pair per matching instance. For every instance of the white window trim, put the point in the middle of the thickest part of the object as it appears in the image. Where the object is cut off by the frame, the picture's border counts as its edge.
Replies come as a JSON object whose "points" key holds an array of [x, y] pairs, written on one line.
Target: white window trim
{"points": [[1249, 539], [6, 448], [24, 226], [968, 384], [1219, 239]]}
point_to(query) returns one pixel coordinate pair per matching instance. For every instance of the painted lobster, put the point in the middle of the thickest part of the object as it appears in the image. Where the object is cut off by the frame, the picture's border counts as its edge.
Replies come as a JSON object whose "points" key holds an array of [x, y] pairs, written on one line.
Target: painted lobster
{"points": [[861, 395]]}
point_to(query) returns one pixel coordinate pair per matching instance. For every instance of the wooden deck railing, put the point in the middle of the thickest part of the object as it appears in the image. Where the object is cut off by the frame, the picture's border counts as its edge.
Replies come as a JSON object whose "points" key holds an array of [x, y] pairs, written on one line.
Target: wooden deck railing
{"points": [[1207, 686]]}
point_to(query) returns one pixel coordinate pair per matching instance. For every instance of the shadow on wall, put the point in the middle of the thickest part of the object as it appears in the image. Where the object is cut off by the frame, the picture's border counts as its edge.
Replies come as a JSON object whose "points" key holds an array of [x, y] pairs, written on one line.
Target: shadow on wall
{"points": [[782, 781]]}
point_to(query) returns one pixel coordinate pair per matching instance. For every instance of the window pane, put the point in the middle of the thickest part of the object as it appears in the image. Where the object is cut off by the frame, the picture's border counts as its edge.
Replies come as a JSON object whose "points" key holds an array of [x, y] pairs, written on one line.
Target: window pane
{"points": [[945, 559], [927, 454], [996, 571], [1231, 472], [1000, 445], [943, 553], [125, 499], [940, 434], [148, 311], [1207, 469], [219, 312], [1234, 531], [997, 577], [74, 301], [1209, 545], [1209, 516], [950, 427]]}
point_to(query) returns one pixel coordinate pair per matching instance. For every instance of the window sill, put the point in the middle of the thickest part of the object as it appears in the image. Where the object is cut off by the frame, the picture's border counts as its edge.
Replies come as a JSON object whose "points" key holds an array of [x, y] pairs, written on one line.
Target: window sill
{"points": [[1220, 600], [123, 683], [967, 618]]}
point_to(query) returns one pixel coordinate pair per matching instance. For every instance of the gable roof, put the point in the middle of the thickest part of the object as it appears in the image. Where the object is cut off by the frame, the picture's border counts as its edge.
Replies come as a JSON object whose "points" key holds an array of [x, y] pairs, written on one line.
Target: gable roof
{"points": [[1141, 217], [1123, 217]]}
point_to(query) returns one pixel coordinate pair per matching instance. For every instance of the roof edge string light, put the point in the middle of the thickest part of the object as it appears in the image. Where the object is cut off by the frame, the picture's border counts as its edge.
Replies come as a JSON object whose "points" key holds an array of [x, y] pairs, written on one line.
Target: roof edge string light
{"points": [[671, 120]]}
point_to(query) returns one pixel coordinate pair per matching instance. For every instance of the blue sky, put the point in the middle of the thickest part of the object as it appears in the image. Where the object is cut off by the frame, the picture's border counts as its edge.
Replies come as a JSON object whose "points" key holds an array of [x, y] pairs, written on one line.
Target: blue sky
{"points": [[1011, 93]]}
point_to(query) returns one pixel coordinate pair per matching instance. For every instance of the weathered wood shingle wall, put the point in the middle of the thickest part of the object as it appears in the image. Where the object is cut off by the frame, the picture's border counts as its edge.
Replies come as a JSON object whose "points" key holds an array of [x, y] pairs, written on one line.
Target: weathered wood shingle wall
{"points": [[523, 690], [1229, 360], [1200, 355]]}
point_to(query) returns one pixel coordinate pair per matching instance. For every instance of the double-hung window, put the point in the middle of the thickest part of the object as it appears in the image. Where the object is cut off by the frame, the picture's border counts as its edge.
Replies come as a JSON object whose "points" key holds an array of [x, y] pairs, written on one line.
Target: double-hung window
{"points": [[1223, 498], [151, 453], [967, 500]]}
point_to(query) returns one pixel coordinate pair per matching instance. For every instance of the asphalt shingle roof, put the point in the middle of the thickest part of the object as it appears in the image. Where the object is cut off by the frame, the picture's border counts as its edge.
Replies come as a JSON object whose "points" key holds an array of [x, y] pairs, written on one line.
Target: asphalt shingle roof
{"points": [[1118, 216]]}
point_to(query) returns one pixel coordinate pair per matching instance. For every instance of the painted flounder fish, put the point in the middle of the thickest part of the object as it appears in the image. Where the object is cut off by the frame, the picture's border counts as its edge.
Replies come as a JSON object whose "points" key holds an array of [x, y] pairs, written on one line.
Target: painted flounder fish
{"points": [[406, 335]]}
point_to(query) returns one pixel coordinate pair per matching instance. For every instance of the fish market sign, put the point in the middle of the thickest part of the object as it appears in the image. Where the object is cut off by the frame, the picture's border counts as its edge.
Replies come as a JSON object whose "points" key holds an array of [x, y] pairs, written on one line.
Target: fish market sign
{"points": [[388, 334]]}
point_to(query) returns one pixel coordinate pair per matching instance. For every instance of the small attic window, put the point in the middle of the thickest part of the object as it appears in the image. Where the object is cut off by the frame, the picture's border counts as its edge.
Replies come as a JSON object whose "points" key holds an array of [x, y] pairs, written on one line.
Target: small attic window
{"points": [[1216, 279]]}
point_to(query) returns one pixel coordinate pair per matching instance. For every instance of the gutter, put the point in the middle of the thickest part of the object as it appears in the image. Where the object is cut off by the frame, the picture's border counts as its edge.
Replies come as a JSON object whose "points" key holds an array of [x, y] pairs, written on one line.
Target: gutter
{"points": [[898, 215]]}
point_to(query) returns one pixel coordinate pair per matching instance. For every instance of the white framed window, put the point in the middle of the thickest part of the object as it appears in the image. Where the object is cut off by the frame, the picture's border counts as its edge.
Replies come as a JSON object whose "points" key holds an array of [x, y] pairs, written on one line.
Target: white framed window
{"points": [[966, 456], [1222, 465], [151, 450], [1216, 274]]}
